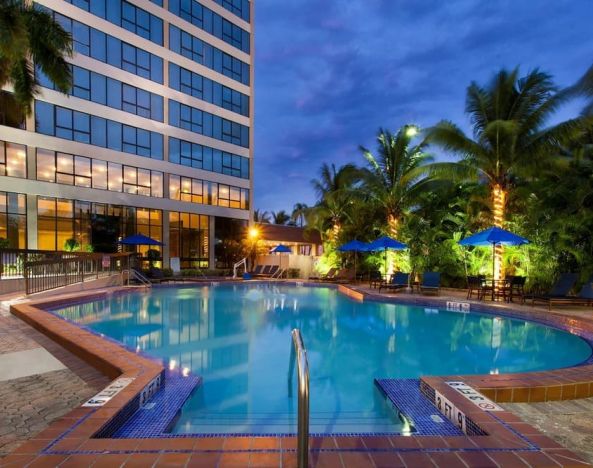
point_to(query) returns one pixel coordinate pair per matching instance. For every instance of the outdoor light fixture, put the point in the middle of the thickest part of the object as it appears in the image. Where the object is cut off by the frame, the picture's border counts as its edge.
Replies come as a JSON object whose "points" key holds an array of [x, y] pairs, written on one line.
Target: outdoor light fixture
{"points": [[253, 232], [412, 131]]}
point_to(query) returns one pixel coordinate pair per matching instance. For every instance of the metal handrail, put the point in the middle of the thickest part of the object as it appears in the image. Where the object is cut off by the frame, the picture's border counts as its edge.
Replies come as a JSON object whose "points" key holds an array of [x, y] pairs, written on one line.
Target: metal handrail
{"points": [[300, 353], [138, 276]]}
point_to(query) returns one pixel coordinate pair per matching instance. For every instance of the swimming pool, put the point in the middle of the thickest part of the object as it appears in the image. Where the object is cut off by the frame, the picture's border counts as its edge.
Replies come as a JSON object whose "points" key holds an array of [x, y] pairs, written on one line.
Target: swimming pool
{"points": [[237, 337]]}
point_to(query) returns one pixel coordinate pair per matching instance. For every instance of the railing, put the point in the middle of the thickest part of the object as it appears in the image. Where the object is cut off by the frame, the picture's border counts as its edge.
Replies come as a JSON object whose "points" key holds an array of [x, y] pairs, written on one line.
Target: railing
{"points": [[243, 262], [12, 261], [43, 275], [138, 277], [299, 353]]}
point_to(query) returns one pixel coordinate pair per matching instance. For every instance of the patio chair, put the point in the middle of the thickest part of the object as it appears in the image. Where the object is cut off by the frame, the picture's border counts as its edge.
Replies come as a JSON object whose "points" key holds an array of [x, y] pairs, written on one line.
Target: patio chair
{"points": [[397, 282], [515, 288], [375, 279], [431, 282], [477, 284], [257, 270], [330, 274], [560, 290]]}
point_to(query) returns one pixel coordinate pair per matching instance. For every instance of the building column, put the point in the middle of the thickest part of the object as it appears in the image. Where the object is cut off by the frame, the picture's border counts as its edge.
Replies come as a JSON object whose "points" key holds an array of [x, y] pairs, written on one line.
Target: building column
{"points": [[31, 221], [211, 242], [165, 236]]}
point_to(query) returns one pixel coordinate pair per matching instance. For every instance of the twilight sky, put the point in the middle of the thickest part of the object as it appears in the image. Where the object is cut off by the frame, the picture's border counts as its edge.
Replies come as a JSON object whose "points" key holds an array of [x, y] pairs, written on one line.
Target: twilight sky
{"points": [[329, 73]]}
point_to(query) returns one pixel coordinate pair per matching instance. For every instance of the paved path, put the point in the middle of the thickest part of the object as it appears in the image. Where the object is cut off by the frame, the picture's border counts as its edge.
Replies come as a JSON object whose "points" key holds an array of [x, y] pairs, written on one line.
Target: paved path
{"points": [[39, 381], [569, 423]]}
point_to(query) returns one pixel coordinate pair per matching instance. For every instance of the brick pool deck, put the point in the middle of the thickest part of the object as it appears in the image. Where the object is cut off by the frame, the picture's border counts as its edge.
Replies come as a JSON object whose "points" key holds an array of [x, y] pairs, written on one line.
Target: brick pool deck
{"points": [[71, 440]]}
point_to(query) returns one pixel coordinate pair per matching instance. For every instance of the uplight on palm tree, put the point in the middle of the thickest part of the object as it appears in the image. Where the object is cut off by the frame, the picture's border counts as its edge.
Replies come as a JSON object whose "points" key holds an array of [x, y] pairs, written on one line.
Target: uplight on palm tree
{"points": [[510, 137], [334, 189], [396, 174]]}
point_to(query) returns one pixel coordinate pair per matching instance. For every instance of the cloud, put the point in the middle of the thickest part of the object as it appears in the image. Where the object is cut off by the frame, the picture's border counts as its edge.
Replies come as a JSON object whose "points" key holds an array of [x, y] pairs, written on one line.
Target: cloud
{"points": [[330, 73]]}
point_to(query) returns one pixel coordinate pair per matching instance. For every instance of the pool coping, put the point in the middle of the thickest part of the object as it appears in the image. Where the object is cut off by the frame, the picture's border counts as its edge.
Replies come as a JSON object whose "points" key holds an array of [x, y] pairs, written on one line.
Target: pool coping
{"points": [[74, 434]]}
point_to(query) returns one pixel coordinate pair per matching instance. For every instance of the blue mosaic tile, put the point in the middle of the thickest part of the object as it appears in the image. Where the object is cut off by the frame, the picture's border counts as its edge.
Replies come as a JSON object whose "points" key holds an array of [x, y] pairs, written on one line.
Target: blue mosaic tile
{"points": [[406, 396], [156, 416]]}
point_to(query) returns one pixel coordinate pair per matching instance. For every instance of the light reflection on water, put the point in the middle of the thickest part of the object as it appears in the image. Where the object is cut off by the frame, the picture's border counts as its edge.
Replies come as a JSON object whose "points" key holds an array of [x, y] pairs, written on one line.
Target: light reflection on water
{"points": [[237, 337]]}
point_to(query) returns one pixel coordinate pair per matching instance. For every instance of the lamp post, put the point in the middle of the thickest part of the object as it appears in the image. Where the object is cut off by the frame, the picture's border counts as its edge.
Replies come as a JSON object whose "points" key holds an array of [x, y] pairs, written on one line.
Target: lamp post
{"points": [[253, 236]]}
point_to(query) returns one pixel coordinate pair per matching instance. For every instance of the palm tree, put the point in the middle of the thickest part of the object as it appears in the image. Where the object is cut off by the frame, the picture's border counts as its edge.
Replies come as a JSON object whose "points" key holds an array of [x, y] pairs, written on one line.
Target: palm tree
{"points": [[397, 174], [334, 189], [510, 138], [28, 34], [280, 217], [298, 213], [260, 216]]}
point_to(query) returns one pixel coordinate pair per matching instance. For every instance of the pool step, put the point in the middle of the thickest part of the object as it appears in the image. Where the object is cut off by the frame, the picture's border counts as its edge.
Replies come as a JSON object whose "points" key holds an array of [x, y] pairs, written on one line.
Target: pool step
{"points": [[274, 423]]}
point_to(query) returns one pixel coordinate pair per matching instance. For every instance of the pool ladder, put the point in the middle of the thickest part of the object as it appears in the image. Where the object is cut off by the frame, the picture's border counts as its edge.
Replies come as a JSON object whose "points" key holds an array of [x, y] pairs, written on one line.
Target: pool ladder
{"points": [[299, 353]]}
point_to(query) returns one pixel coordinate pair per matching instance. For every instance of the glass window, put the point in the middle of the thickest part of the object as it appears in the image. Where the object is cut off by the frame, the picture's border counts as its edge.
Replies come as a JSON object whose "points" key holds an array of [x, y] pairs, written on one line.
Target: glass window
{"points": [[13, 221], [13, 160], [115, 177], [99, 174], [77, 126], [203, 53], [203, 157]]}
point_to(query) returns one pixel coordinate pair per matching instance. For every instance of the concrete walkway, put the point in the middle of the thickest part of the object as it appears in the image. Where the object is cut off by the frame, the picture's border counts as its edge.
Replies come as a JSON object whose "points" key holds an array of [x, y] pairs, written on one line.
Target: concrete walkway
{"points": [[39, 381]]}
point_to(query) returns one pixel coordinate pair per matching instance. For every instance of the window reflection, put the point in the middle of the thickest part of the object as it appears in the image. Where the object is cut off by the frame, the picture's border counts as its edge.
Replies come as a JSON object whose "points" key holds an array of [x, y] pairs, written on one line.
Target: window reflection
{"points": [[81, 171], [13, 159]]}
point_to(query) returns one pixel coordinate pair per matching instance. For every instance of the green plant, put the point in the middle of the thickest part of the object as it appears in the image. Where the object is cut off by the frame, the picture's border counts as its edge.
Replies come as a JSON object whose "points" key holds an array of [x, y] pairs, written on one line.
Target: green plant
{"points": [[153, 256], [4, 243], [71, 245], [293, 273]]}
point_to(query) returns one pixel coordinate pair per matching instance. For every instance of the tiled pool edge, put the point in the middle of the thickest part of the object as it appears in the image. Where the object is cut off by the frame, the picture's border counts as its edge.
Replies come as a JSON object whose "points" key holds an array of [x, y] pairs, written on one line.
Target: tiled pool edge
{"points": [[72, 435], [528, 387]]}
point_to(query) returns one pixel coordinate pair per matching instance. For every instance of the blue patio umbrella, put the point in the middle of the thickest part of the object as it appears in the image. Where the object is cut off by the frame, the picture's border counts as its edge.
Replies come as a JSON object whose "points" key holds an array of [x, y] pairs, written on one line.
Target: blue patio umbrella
{"points": [[281, 249], [385, 243], [354, 246], [492, 237], [139, 239]]}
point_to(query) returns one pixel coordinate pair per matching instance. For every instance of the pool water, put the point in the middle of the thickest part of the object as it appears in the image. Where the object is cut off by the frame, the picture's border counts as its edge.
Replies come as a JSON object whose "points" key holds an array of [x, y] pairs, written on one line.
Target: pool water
{"points": [[237, 337]]}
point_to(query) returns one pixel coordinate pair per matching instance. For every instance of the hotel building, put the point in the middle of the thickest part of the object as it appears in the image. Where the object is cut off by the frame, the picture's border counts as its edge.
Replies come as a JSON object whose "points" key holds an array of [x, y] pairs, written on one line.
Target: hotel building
{"points": [[156, 136]]}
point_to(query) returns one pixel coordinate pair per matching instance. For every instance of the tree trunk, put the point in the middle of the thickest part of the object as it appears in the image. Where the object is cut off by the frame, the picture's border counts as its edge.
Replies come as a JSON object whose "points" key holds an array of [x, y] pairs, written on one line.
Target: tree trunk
{"points": [[392, 225], [498, 211]]}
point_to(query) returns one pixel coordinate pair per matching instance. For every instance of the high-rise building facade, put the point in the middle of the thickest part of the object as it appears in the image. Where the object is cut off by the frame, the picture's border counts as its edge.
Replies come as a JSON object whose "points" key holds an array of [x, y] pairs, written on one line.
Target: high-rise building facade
{"points": [[155, 137]]}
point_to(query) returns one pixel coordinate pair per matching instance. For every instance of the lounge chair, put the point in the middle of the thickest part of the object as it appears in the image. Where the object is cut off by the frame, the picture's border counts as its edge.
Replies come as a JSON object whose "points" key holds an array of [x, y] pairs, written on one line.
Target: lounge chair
{"points": [[273, 271], [264, 272], [560, 290], [583, 298], [330, 274], [431, 282], [257, 270], [342, 276], [397, 281]]}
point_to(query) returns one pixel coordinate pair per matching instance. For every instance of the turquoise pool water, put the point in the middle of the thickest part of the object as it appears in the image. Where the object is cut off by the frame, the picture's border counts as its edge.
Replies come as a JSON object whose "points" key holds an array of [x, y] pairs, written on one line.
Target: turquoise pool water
{"points": [[237, 337]]}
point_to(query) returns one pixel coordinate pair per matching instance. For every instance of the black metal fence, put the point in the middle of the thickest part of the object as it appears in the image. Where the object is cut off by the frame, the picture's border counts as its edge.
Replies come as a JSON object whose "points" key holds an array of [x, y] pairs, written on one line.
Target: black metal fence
{"points": [[12, 261], [43, 275]]}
